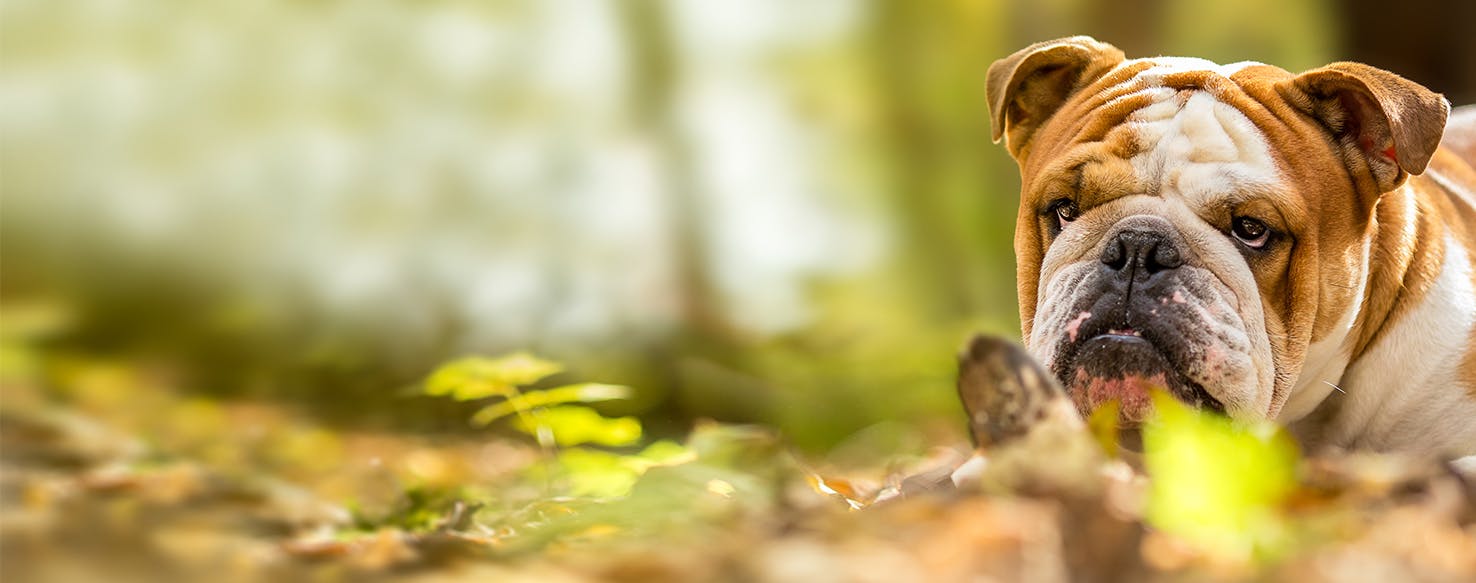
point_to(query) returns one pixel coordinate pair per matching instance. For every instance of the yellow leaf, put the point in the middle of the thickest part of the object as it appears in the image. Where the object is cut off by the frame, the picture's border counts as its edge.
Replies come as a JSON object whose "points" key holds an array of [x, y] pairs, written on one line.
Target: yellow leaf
{"points": [[476, 377], [596, 473], [1216, 483], [574, 425], [579, 393]]}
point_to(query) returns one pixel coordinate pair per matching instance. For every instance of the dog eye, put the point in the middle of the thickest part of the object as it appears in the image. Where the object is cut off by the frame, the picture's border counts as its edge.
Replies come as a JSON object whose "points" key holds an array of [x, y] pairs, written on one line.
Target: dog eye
{"points": [[1066, 211], [1251, 232]]}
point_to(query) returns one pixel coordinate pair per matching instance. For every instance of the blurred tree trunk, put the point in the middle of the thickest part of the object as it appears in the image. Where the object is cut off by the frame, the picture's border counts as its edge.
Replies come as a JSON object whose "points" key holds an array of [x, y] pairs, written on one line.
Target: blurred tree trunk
{"points": [[704, 335], [930, 62], [1428, 41], [654, 79], [926, 240]]}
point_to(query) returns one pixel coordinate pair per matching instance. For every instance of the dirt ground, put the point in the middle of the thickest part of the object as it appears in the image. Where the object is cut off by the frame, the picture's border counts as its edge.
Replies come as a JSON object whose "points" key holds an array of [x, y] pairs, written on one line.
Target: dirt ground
{"points": [[109, 473]]}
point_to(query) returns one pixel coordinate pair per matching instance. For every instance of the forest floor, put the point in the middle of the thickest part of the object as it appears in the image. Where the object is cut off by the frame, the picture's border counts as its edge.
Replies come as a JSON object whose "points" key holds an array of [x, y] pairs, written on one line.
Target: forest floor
{"points": [[110, 472]]}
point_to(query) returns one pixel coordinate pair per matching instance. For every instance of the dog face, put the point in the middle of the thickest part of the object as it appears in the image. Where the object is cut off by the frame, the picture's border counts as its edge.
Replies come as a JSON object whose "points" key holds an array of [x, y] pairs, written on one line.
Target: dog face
{"points": [[1189, 226], [1147, 239]]}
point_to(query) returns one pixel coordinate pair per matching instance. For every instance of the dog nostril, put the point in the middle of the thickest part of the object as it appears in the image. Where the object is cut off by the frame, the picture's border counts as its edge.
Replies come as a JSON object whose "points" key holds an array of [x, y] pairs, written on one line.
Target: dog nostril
{"points": [[1115, 255], [1166, 256]]}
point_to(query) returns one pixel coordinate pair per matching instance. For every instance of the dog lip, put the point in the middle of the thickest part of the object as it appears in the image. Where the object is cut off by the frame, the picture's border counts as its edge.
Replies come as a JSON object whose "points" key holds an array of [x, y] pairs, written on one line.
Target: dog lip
{"points": [[1185, 389], [1123, 336]]}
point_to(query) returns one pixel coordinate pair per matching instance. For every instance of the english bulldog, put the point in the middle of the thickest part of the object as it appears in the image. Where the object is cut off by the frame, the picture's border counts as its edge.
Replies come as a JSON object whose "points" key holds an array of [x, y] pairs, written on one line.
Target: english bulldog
{"points": [[1270, 245]]}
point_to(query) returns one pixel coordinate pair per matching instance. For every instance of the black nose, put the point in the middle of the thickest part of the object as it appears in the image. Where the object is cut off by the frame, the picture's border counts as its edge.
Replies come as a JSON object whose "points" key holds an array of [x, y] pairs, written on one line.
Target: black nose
{"points": [[1141, 251]]}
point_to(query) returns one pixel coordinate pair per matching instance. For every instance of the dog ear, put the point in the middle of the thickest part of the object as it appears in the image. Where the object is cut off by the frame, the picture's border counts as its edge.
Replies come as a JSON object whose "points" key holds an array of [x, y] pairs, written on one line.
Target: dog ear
{"points": [[1027, 87], [1382, 121]]}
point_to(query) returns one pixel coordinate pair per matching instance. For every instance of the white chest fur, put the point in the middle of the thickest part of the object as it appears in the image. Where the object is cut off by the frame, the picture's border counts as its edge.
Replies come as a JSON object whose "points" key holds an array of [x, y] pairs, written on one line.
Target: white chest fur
{"points": [[1405, 392]]}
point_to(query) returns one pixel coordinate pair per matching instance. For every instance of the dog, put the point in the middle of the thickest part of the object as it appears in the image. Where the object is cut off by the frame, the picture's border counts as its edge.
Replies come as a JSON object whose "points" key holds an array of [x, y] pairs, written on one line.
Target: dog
{"points": [[1276, 246]]}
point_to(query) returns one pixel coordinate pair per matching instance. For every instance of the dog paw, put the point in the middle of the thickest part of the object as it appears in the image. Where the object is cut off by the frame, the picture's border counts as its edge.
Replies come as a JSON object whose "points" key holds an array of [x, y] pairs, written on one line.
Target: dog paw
{"points": [[1007, 394]]}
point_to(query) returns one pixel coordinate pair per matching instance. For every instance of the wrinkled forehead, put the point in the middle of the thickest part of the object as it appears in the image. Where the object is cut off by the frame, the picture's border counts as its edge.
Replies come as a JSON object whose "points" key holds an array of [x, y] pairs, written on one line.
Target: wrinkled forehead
{"points": [[1158, 67], [1172, 121]]}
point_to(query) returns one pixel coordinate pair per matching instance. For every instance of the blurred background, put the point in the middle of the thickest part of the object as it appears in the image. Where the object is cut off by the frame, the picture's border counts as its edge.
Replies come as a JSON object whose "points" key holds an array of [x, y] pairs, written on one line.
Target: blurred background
{"points": [[760, 211]]}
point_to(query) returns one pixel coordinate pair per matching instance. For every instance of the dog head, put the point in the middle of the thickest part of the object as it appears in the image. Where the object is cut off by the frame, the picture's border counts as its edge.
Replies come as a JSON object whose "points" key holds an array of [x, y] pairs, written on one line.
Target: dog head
{"points": [[1196, 227]]}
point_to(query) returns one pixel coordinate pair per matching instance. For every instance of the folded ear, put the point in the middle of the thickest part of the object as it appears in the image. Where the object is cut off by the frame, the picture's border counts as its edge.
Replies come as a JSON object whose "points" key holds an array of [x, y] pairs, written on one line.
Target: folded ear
{"points": [[1026, 88], [1382, 121]]}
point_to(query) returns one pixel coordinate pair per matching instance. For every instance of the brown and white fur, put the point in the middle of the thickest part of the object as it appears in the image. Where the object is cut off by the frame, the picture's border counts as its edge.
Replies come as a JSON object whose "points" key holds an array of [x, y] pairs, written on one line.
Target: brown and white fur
{"points": [[1353, 320]]}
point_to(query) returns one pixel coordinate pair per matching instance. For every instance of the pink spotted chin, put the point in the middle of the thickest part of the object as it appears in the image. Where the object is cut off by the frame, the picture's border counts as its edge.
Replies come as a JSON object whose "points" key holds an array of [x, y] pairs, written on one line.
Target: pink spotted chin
{"points": [[1131, 391]]}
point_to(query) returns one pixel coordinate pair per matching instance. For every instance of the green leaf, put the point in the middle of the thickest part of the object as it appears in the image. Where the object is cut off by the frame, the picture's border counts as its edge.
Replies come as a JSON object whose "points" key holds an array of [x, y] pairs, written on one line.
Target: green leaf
{"points": [[662, 453], [575, 425], [476, 377], [667, 452], [1215, 482], [596, 473], [580, 393], [602, 474]]}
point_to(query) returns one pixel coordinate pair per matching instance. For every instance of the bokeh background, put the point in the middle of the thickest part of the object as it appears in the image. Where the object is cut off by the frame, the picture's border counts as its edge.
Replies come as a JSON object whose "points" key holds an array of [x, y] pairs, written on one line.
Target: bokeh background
{"points": [[775, 211]]}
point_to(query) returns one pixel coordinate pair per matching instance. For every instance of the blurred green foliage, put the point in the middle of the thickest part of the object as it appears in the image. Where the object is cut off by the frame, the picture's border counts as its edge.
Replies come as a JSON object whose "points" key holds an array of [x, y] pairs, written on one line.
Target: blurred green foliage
{"points": [[122, 449], [560, 428], [1218, 483], [475, 378], [542, 414], [760, 213]]}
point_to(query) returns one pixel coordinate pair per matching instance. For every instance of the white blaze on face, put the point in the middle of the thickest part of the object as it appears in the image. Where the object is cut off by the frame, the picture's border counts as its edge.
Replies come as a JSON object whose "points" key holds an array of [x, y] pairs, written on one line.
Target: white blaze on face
{"points": [[1200, 150], [1202, 153]]}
